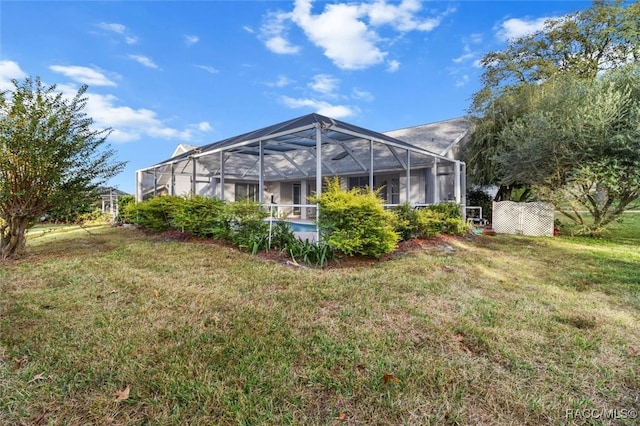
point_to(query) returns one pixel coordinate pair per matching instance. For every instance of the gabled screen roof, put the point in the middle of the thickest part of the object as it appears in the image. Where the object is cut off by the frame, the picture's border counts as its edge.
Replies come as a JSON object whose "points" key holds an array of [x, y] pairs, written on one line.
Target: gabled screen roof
{"points": [[297, 133]]}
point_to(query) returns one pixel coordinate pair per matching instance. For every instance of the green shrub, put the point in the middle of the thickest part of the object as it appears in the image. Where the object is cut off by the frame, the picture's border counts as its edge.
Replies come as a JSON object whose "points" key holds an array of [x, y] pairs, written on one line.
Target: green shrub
{"points": [[447, 210], [154, 214], [404, 221], [354, 222], [429, 223], [93, 216], [247, 229], [202, 216], [455, 226], [123, 202], [78, 210], [443, 218]]}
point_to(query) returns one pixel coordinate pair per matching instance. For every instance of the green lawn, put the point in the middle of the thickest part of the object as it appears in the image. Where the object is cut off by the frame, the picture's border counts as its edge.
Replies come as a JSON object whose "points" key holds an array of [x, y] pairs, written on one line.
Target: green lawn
{"points": [[485, 330]]}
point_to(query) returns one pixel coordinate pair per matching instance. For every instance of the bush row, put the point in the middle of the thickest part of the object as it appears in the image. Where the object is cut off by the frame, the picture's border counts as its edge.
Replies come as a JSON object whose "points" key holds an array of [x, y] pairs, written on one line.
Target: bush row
{"points": [[430, 221], [351, 223]]}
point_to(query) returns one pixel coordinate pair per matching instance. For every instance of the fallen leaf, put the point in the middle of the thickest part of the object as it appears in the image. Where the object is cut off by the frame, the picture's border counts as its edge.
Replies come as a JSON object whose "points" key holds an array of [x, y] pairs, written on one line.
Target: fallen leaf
{"points": [[459, 337], [388, 377], [40, 419], [633, 352], [19, 362], [156, 293], [36, 378], [121, 395], [341, 417]]}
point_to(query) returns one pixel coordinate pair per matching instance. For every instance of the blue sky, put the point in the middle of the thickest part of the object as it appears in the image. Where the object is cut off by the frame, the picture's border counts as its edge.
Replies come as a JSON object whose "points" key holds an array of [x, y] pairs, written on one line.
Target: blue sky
{"points": [[161, 73]]}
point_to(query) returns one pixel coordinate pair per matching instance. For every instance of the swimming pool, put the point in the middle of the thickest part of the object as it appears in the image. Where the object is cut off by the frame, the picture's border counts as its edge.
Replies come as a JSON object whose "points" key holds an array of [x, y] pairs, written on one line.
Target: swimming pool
{"points": [[299, 226]]}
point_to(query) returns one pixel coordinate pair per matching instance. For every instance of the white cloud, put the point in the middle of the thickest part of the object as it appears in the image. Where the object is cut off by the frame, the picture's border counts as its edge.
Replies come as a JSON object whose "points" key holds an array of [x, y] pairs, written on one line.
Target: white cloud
{"points": [[113, 27], [280, 45], [10, 70], [393, 66], [321, 107], [514, 28], [144, 60], [274, 34], [345, 39], [204, 126], [190, 40], [402, 16], [120, 30], [129, 124], [468, 51], [475, 38], [362, 94], [324, 84], [282, 81], [83, 75], [248, 29], [462, 81], [467, 55], [209, 69], [346, 32]]}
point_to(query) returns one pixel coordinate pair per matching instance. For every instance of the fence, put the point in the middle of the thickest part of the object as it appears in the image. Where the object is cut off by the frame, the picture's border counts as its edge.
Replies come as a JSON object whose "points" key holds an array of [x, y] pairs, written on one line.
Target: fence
{"points": [[523, 218]]}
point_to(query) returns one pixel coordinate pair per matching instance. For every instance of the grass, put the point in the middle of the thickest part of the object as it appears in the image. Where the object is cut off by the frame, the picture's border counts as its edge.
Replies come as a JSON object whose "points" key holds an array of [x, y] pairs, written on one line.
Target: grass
{"points": [[485, 330]]}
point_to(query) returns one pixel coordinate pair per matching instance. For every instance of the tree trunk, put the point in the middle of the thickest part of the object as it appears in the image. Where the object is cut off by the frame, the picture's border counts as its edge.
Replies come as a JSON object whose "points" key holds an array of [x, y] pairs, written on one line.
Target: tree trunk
{"points": [[504, 193], [13, 238]]}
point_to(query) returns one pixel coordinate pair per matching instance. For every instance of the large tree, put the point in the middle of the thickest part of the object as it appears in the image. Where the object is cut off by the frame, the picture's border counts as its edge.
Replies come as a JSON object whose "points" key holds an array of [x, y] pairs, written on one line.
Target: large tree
{"points": [[580, 45], [579, 145], [50, 156]]}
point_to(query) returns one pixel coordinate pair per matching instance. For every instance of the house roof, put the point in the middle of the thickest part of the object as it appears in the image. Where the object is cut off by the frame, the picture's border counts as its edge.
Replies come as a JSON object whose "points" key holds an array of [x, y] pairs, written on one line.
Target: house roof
{"points": [[439, 137], [110, 191]]}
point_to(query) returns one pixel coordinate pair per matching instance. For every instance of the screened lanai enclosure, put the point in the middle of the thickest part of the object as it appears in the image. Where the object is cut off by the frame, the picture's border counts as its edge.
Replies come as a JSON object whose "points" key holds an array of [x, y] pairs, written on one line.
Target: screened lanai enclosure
{"points": [[281, 165]]}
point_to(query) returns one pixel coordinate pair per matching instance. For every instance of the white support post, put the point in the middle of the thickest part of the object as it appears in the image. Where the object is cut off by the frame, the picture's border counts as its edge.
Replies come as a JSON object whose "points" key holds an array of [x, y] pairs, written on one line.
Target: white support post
{"points": [[456, 187], [155, 182], [303, 199], [173, 180], [435, 180], [370, 164], [193, 177], [138, 186], [261, 174], [463, 190], [318, 175], [408, 184], [222, 175]]}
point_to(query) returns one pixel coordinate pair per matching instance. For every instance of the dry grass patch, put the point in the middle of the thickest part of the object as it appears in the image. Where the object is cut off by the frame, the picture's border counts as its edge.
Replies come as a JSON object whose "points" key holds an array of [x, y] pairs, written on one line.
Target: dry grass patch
{"points": [[504, 330]]}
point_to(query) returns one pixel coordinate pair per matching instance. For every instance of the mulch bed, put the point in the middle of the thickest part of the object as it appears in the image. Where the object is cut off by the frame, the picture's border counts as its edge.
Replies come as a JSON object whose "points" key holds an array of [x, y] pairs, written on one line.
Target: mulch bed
{"points": [[404, 248]]}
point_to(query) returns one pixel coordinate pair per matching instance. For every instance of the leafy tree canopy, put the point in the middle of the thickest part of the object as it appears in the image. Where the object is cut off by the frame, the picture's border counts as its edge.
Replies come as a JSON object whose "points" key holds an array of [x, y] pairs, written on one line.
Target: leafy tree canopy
{"points": [[50, 156], [581, 45], [579, 145]]}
